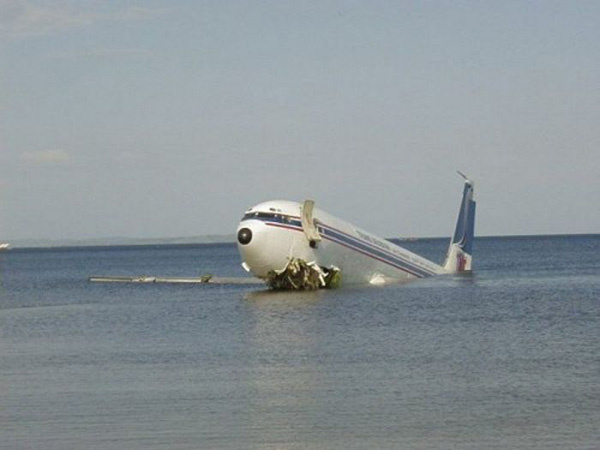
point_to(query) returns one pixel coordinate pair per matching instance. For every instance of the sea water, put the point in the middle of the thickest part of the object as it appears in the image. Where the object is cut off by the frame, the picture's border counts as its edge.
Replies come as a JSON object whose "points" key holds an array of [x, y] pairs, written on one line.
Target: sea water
{"points": [[507, 357]]}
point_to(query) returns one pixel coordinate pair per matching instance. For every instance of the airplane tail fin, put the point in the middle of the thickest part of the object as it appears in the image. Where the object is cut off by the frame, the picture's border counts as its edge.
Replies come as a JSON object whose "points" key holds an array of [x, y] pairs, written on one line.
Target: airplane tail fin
{"points": [[459, 256]]}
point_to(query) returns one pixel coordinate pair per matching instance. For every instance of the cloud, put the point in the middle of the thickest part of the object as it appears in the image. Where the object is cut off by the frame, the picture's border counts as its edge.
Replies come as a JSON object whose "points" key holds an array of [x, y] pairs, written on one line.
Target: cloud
{"points": [[21, 18], [47, 157]]}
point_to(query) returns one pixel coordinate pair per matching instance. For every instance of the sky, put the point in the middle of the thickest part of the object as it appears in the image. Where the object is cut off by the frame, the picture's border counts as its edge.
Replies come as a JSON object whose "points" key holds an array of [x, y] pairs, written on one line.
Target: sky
{"points": [[154, 119]]}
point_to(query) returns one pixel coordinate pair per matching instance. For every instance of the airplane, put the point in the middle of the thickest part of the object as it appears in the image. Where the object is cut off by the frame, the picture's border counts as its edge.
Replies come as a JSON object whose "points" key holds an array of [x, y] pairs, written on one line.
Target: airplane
{"points": [[296, 246]]}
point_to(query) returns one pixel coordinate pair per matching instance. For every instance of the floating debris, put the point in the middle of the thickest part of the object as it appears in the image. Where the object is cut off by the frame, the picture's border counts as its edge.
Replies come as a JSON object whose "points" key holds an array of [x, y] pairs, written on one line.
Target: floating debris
{"points": [[333, 278], [299, 275]]}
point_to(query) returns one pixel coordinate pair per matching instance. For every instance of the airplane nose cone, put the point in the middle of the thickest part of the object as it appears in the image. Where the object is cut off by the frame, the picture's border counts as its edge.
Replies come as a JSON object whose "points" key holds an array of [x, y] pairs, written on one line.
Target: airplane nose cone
{"points": [[244, 236]]}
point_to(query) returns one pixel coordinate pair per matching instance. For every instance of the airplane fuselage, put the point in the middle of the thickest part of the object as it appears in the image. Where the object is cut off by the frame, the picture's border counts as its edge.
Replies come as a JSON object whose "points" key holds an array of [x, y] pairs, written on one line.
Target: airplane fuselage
{"points": [[271, 234]]}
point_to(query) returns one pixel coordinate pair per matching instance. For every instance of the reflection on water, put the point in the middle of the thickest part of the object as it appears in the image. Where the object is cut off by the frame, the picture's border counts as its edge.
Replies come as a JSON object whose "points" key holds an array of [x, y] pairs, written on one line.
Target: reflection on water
{"points": [[283, 377], [286, 299]]}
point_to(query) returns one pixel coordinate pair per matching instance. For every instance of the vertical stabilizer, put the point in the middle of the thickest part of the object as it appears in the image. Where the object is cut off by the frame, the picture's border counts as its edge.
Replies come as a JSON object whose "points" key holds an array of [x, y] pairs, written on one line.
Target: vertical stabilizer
{"points": [[459, 256]]}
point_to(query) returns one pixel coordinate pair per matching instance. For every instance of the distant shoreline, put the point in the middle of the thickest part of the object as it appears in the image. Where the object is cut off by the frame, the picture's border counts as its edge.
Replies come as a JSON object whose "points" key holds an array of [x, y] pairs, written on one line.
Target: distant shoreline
{"points": [[120, 241], [218, 239]]}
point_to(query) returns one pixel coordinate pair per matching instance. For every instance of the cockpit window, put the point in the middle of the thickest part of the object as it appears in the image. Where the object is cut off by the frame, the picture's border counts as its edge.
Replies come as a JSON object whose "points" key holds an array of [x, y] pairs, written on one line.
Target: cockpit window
{"points": [[267, 217], [258, 215]]}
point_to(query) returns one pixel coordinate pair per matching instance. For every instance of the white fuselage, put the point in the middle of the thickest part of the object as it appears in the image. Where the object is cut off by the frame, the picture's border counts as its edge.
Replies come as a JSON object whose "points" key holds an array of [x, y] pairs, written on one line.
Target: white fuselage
{"points": [[273, 235]]}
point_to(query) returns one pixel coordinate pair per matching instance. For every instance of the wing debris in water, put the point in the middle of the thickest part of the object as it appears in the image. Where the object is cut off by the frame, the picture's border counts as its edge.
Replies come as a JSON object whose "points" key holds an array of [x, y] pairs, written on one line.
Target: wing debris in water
{"points": [[300, 275], [204, 279]]}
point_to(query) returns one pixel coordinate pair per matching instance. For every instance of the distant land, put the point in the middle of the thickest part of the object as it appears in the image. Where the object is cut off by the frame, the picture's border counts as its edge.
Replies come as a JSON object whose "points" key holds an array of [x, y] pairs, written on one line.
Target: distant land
{"points": [[99, 242], [213, 239]]}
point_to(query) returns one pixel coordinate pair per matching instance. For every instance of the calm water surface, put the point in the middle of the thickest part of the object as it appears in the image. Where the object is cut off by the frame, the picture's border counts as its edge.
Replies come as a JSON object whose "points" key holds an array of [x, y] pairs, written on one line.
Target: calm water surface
{"points": [[508, 357]]}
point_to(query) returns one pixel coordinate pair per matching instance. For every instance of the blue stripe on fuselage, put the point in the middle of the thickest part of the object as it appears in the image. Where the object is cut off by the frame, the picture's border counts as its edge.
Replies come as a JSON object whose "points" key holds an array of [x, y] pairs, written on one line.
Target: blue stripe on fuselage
{"points": [[348, 241], [371, 250]]}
